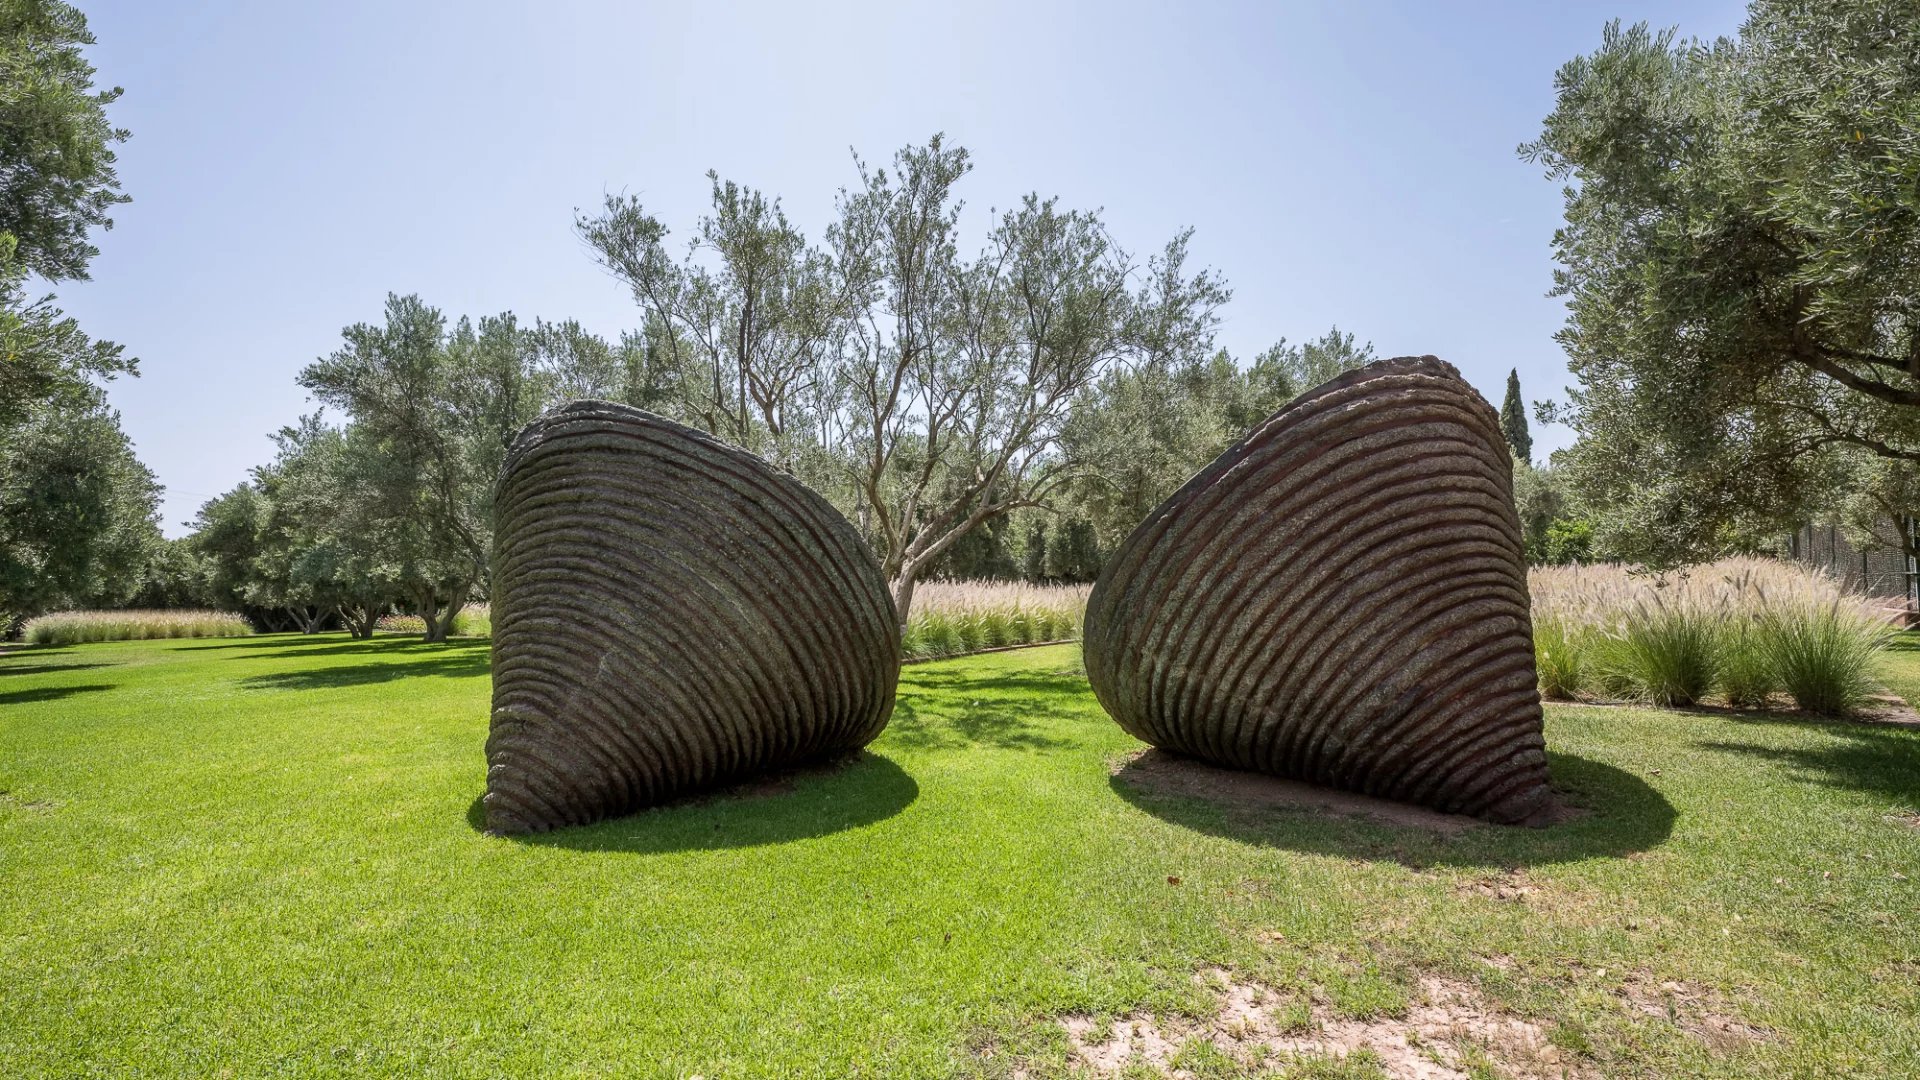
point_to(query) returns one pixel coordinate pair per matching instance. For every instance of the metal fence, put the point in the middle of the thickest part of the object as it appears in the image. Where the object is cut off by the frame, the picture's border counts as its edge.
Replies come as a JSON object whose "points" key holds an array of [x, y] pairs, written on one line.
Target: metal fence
{"points": [[1874, 569]]}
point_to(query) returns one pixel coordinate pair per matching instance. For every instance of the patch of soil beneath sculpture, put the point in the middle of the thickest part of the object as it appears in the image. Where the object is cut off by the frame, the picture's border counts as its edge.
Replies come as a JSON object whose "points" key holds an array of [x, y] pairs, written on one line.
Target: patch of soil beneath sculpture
{"points": [[1159, 772], [773, 784]]}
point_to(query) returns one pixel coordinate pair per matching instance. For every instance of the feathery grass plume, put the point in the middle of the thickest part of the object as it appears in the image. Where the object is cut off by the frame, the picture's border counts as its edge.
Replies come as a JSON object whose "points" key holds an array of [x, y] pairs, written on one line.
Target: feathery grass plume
{"points": [[474, 620], [75, 627], [952, 618], [1739, 628], [400, 624], [1747, 676]]}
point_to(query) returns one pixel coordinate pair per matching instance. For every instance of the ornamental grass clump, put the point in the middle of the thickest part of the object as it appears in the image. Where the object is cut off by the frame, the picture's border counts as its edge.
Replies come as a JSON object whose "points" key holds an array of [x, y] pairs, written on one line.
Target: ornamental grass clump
{"points": [[1823, 654], [1560, 657], [953, 618], [1739, 630], [474, 620], [1747, 676], [76, 627], [1664, 652]]}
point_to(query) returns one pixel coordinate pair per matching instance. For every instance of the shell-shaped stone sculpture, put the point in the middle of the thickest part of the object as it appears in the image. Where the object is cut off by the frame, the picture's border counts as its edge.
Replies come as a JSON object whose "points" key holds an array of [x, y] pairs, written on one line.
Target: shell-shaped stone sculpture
{"points": [[669, 612], [1340, 598]]}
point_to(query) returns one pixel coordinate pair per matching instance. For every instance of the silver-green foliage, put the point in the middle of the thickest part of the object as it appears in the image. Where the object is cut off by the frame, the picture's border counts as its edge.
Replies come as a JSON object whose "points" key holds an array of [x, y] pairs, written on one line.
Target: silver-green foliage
{"points": [[1741, 264]]}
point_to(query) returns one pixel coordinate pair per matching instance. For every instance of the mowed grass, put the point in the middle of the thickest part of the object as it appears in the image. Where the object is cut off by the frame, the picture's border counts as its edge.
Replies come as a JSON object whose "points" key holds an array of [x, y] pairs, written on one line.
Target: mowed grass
{"points": [[260, 858]]}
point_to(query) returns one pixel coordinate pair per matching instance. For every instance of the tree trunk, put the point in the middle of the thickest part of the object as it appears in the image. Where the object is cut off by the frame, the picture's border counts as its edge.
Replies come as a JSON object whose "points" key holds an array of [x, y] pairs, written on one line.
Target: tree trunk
{"points": [[360, 620], [428, 604], [903, 595], [438, 617]]}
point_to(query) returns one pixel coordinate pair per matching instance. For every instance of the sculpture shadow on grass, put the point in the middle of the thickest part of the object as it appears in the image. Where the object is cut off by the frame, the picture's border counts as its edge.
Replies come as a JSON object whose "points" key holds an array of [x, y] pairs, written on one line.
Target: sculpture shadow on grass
{"points": [[801, 803], [1608, 813]]}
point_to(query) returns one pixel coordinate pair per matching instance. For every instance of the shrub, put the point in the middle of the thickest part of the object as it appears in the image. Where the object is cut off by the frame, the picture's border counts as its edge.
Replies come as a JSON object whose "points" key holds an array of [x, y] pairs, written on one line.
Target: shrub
{"points": [[474, 620], [74, 627], [400, 624]]}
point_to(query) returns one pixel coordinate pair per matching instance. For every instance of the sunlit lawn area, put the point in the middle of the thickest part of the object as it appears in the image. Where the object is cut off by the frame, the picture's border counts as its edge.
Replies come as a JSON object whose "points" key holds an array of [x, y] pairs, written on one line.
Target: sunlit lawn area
{"points": [[260, 857]]}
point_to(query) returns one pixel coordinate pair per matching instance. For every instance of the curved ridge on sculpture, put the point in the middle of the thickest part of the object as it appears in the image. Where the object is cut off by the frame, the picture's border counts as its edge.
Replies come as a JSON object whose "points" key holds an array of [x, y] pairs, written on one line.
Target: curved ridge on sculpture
{"points": [[669, 612], [1339, 598]]}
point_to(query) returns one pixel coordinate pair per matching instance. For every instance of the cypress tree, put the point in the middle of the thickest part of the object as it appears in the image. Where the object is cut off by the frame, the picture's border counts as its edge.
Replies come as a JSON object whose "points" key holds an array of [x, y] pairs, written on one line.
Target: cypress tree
{"points": [[1513, 420]]}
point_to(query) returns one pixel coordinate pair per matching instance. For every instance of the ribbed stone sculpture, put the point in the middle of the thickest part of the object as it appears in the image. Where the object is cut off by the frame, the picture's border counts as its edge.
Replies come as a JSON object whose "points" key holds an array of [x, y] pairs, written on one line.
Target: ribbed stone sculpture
{"points": [[669, 612], [1340, 598]]}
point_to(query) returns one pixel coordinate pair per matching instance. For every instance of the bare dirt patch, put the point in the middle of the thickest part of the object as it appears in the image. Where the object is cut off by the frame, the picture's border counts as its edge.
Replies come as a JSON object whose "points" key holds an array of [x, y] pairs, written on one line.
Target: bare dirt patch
{"points": [[1158, 772], [1513, 886], [1449, 1031], [1697, 1010], [1889, 709], [1911, 821]]}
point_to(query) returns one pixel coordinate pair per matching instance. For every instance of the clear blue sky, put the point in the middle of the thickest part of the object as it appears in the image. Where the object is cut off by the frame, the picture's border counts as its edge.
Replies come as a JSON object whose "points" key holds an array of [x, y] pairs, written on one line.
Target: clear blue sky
{"points": [[1348, 163]]}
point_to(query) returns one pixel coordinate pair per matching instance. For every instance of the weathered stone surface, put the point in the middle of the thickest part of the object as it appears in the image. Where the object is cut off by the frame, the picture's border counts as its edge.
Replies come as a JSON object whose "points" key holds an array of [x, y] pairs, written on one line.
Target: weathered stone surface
{"points": [[669, 613], [1339, 598]]}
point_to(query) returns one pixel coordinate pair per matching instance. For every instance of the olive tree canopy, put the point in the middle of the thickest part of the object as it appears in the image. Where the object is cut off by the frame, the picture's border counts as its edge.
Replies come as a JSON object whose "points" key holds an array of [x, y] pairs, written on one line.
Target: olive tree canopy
{"points": [[1741, 262]]}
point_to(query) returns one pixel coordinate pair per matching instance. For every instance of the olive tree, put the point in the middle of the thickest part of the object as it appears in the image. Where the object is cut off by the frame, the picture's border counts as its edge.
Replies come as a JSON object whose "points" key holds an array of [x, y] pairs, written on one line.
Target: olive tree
{"points": [[1741, 264], [922, 384]]}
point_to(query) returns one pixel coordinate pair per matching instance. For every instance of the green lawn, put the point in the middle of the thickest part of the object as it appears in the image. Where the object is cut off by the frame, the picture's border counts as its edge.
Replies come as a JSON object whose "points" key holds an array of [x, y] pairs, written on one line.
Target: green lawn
{"points": [[259, 858]]}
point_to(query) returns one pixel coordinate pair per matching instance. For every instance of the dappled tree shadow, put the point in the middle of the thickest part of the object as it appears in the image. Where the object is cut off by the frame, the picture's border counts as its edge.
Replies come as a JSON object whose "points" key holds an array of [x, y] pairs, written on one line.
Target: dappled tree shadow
{"points": [[794, 804], [998, 710], [1002, 725], [48, 693], [1614, 814], [444, 662], [1878, 759]]}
